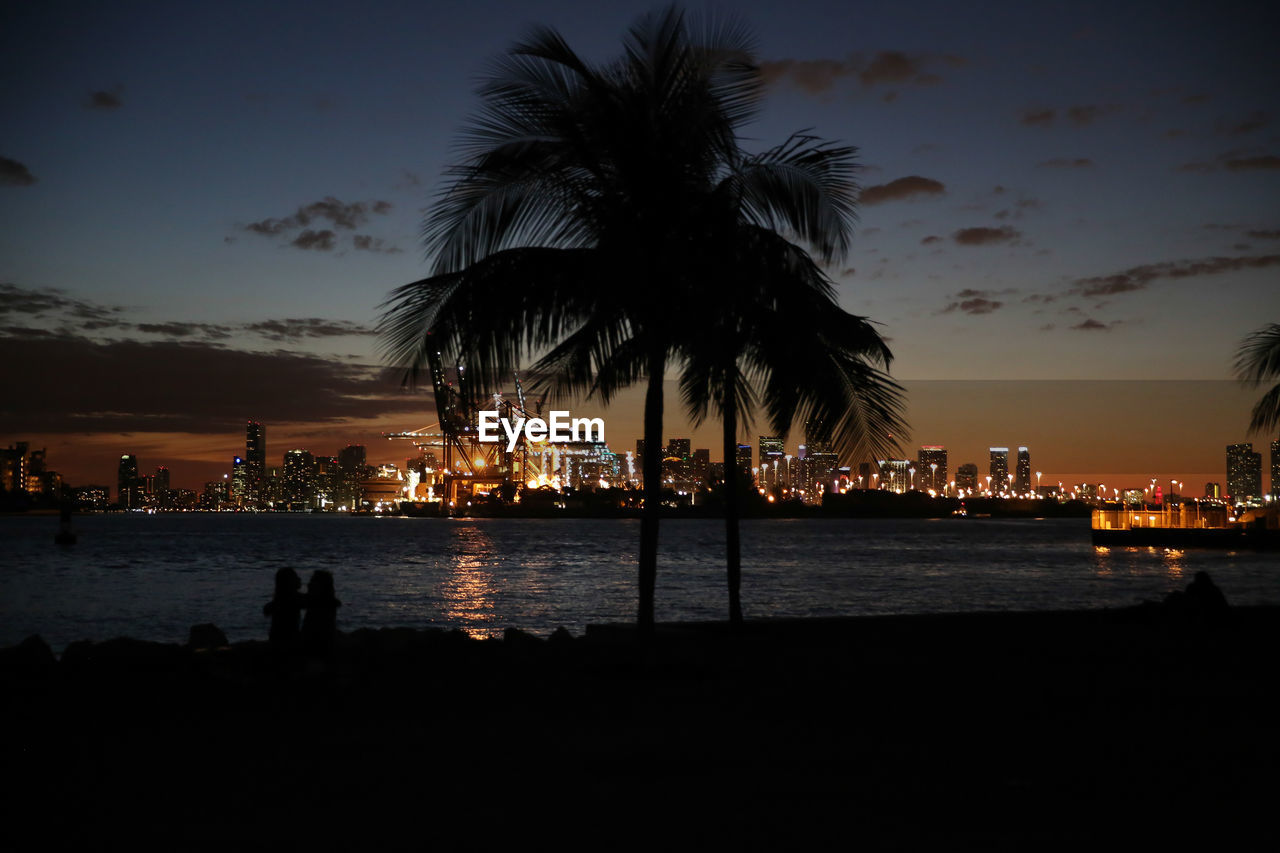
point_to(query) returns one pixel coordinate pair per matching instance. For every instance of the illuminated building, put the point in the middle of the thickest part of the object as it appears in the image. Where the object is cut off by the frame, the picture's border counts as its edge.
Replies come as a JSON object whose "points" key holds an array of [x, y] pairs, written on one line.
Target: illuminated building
{"points": [[351, 465], [896, 476], [1213, 491], [298, 481], [13, 467], [967, 477], [1274, 490], [128, 483], [927, 475], [161, 479], [239, 484], [255, 461], [744, 461], [772, 461], [700, 467], [1244, 473], [999, 469], [1022, 476]]}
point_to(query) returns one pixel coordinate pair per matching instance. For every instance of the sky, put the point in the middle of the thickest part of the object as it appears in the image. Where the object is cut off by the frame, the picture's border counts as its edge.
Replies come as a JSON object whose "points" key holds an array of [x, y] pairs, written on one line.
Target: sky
{"points": [[1070, 216]]}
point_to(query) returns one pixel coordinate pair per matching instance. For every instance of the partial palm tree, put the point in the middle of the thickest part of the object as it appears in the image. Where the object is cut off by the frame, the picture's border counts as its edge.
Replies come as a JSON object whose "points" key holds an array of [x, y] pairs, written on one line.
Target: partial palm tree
{"points": [[781, 330], [1258, 361]]}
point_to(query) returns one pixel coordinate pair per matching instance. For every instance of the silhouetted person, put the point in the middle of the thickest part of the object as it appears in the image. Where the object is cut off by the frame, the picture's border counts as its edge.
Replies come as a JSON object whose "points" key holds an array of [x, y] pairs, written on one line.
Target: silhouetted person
{"points": [[285, 609], [321, 621], [1205, 598]]}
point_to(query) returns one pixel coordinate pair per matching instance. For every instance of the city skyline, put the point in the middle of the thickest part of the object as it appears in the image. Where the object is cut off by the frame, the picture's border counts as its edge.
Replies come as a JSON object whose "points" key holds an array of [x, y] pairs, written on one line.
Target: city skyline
{"points": [[1048, 196]]}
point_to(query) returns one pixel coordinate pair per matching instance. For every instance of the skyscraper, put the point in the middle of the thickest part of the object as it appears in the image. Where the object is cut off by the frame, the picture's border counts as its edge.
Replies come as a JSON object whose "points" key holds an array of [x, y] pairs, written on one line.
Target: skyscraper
{"points": [[999, 469], [255, 461], [773, 459], [162, 479], [744, 462], [967, 476], [927, 475], [128, 482], [1022, 477], [1274, 488], [1244, 473]]}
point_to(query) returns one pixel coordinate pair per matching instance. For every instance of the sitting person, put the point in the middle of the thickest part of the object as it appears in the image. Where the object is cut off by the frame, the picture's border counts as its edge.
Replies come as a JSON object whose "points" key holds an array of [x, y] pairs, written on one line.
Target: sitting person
{"points": [[285, 609], [320, 623]]}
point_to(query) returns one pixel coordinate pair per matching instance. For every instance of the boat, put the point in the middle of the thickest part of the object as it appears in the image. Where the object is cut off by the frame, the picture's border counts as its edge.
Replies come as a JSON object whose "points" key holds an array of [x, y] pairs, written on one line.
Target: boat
{"points": [[1189, 525]]}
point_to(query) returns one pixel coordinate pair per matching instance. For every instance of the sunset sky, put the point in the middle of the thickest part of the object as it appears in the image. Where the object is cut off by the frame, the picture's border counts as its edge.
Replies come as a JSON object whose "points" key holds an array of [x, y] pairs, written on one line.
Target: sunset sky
{"points": [[1070, 216]]}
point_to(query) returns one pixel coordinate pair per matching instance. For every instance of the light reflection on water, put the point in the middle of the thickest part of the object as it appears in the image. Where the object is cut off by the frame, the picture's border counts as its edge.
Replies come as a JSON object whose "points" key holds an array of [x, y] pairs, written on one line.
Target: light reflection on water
{"points": [[156, 576]]}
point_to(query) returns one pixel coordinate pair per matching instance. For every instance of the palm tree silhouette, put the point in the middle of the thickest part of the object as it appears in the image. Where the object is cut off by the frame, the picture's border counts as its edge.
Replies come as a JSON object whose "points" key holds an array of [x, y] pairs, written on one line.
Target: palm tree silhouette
{"points": [[588, 212], [1258, 361], [780, 329]]}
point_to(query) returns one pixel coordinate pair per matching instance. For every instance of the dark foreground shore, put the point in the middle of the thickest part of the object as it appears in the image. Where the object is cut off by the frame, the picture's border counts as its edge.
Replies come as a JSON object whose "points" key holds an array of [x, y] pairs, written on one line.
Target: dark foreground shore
{"points": [[1054, 729]]}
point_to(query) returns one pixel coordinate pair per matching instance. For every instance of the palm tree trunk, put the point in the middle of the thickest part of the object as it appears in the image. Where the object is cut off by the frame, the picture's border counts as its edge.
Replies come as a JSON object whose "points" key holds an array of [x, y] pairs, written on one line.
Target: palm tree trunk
{"points": [[732, 508], [652, 467]]}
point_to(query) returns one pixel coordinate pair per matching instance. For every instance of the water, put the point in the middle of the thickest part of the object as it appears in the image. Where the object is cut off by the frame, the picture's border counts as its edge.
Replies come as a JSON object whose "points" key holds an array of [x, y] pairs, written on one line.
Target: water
{"points": [[153, 577]]}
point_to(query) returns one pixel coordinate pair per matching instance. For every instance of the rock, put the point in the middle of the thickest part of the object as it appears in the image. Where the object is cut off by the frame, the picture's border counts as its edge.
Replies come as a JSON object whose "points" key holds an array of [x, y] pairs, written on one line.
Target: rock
{"points": [[32, 658], [206, 636]]}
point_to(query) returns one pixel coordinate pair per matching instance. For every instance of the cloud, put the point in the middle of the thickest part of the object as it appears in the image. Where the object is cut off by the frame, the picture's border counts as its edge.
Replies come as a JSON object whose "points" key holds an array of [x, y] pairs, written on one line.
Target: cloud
{"points": [[177, 329], [1037, 118], [15, 174], [982, 236], [47, 301], [366, 243], [73, 385], [910, 187], [932, 238], [1273, 234], [337, 213], [1248, 124], [1242, 164], [977, 305], [1092, 325], [1067, 163], [293, 329], [321, 241], [1139, 277], [1080, 115], [1086, 114], [1196, 166], [104, 100], [884, 68]]}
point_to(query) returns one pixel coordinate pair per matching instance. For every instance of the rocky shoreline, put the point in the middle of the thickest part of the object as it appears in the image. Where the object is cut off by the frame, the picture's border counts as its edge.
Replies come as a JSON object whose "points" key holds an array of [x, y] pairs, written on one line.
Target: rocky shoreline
{"points": [[900, 730]]}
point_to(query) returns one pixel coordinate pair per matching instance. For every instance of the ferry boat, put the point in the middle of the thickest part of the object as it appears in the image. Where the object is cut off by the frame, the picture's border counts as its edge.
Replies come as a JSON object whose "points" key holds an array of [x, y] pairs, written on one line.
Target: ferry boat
{"points": [[1189, 525]]}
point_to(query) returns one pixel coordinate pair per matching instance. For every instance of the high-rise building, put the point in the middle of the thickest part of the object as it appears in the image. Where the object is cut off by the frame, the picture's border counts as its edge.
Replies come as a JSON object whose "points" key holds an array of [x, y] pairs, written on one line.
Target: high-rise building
{"points": [[1213, 491], [255, 461], [128, 483], [239, 482], [700, 466], [299, 479], [1274, 488], [1022, 476], [931, 468], [773, 467], [744, 462], [967, 477], [896, 476], [161, 478], [1244, 473], [13, 467], [999, 469]]}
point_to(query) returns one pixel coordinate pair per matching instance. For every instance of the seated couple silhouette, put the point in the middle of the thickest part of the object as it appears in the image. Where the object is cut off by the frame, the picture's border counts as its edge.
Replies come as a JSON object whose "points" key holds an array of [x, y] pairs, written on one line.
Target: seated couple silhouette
{"points": [[320, 622]]}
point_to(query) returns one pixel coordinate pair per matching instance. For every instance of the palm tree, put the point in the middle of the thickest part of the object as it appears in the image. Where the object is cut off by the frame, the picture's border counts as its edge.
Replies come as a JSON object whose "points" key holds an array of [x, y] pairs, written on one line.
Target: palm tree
{"points": [[1258, 361], [584, 217], [781, 329]]}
